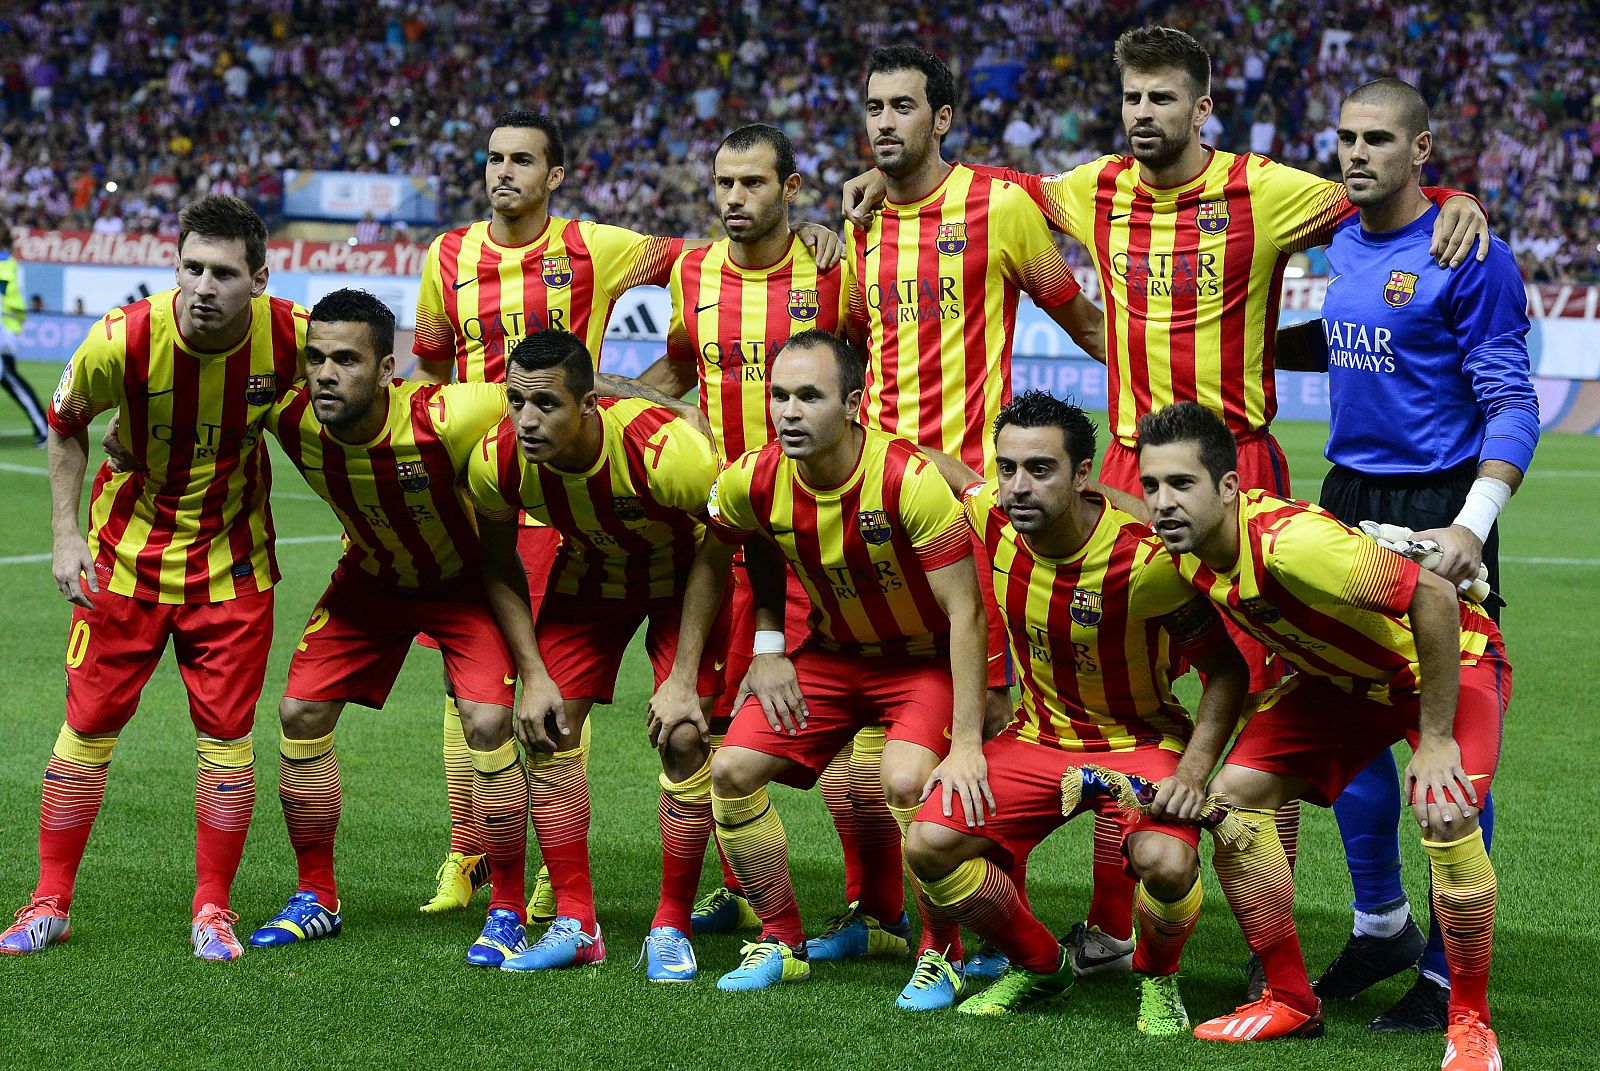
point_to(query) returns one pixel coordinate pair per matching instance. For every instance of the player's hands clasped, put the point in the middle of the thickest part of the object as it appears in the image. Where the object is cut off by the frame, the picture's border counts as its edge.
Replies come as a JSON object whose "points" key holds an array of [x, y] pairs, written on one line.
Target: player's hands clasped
{"points": [[1462, 551], [1435, 769], [672, 705], [1181, 797], [965, 773], [73, 566], [539, 710], [772, 680]]}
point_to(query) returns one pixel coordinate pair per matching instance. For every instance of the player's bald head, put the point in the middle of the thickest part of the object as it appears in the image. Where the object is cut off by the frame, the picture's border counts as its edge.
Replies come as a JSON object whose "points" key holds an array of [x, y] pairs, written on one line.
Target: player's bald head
{"points": [[1399, 98]]}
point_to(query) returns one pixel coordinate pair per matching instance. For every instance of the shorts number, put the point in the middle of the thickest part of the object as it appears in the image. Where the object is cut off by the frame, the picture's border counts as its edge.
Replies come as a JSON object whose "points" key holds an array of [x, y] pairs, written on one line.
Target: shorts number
{"points": [[77, 644], [319, 618]]}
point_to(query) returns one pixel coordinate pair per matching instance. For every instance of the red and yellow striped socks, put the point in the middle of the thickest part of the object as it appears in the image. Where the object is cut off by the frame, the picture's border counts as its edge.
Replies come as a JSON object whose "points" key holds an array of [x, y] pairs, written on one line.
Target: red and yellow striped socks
{"points": [[941, 932], [466, 836], [729, 882], [1260, 889], [558, 799], [224, 799], [751, 833], [834, 784], [1164, 929], [1112, 894], [308, 788], [685, 813], [981, 897], [500, 810], [1464, 892], [74, 787]]}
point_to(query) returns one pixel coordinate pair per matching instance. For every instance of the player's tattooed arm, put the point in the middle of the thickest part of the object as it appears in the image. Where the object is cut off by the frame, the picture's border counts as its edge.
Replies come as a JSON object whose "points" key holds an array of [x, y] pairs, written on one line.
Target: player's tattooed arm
{"points": [[1197, 630], [670, 377], [676, 701], [67, 457], [541, 722], [1302, 347], [610, 386], [1084, 322]]}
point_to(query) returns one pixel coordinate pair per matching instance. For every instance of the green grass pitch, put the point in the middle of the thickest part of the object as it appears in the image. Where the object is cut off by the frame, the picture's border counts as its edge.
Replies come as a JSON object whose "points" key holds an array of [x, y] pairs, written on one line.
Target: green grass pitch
{"points": [[393, 990]]}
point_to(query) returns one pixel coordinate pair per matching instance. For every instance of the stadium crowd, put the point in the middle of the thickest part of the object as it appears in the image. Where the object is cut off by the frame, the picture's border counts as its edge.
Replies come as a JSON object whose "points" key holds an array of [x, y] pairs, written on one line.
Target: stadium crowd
{"points": [[114, 115]]}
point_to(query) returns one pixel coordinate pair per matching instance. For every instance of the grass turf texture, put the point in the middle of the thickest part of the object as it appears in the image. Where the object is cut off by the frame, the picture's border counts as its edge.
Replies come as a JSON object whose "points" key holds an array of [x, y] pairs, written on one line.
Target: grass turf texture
{"points": [[394, 991]]}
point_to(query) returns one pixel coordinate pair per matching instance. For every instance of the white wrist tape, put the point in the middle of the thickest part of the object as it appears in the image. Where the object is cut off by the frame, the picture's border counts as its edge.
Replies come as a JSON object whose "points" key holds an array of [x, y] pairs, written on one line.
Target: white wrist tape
{"points": [[769, 641], [1484, 503]]}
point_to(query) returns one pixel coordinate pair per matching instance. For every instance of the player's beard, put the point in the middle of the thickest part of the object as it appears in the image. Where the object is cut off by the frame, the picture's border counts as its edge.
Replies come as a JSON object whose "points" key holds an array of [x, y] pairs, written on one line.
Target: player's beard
{"points": [[1166, 153]]}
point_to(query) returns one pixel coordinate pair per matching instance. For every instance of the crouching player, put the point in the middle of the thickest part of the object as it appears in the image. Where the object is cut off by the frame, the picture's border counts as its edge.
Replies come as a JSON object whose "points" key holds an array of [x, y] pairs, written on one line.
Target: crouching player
{"points": [[897, 635], [1382, 650], [624, 481], [1095, 611], [385, 455]]}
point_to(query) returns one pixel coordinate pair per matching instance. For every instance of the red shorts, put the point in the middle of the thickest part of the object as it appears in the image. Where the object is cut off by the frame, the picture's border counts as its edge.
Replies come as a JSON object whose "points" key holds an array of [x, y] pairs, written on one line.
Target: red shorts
{"points": [[1323, 735], [582, 642], [1026, 781], [1261, 464], [353, 646], [537, 546], [222, 657], [911, 697], [742, 629]]}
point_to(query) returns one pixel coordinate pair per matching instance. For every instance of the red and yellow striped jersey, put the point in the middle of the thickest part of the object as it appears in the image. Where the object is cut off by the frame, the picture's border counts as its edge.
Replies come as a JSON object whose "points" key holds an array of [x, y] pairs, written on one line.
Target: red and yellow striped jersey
{"points": [[728, 319], [936, 298], [479, 298], [1093, 634], [406, 520], [1326, 598], [629, 523], [863, 550], [1191, 276], [194, 527]]}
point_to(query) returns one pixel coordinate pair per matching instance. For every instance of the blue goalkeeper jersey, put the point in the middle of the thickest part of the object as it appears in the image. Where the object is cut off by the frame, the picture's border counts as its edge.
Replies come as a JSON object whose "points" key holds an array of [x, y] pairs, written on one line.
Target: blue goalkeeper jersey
{"points": [[1427, 366]]}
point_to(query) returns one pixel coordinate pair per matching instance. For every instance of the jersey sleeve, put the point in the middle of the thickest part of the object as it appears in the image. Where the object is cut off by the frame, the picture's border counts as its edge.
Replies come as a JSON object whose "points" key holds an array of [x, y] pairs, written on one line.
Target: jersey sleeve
{"points": [[679, 348], [977, 500], [625, 259], [488, 470], [1489, 317], [1030, 257], [1322, 561], [434, 340], [1159, 591], [932, 518], [1067, 199], [729, 509], [91, 382], [1295, 209], [681, 466], [468, 412]]}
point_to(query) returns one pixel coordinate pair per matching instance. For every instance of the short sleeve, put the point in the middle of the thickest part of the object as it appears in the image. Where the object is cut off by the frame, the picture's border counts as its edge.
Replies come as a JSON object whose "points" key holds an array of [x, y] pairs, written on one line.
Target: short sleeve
{"points": [[434, 339], [468, 413], [679, 348], [681, 466], [91, 382], [1324, 560], [1029, 255], [729, 509], [1296, 209], [932, 518], [489, 476], [625, 259]]}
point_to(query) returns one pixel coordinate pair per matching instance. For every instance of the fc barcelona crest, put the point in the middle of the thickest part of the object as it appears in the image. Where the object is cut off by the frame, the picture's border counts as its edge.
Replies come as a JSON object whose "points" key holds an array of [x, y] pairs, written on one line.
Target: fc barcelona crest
{"points": [[628, 507], [951, 239], [411, 475], [1400, 289], [803, 304], [1212, 216], [1260, 609], [874, 526], [557, 271], [1086, 607], [260, 390]]}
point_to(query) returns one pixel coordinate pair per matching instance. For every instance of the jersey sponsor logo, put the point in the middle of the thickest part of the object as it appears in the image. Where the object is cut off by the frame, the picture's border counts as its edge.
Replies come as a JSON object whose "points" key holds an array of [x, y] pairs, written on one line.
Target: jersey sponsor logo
{"points": [[557, 271], [1087, 607], [1169, 274], [1261, 610], [1211, 216], [259, 390], [875, 527], [915, 300], [951, 239], [1400, 289], [411, 476], [803, 305], [628, 507]]}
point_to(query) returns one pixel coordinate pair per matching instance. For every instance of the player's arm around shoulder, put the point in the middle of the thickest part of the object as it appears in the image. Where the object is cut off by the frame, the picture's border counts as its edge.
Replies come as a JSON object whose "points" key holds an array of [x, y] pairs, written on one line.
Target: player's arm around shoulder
{"points": [[463, 414], [680, 463]]}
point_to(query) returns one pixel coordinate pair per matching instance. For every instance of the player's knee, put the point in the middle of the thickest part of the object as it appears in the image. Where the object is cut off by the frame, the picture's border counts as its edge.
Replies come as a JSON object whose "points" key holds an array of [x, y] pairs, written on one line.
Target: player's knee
{"points": [[1244, 787], [733, 775], [485, 726], [302, 719], [684, 746], [931, 850], [902, 787], [1166, 865]]}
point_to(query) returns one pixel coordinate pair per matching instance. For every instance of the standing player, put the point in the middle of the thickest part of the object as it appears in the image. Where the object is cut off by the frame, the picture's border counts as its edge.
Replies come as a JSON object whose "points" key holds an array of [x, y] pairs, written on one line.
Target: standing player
{"points": [[13, 311], [1095, 611], [1382, 650], [1190, 245], [896, 634], [386, 457], [180, 550], [1434, 422], [624, 482], [734, 303]]}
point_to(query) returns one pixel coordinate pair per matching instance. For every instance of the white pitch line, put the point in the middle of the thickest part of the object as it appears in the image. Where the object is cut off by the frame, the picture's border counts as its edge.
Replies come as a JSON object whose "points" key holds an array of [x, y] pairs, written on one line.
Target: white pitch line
{"points": [[1590, 562], [286, 541], [31, 470]]}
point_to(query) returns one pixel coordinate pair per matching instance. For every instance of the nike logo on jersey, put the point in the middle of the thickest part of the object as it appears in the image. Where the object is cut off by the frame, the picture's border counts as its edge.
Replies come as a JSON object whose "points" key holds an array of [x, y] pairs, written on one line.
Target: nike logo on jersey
{"points": [[459, 283], [1112, 217], [148, 393], [698, 309], [869, 250]]}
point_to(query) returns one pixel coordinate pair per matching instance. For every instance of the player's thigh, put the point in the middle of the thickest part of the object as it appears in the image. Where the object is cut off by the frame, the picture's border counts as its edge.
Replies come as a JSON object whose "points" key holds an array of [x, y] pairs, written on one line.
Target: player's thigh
{"points": [[477, 661], [352, 646], [912, 697], [661, 644], [1025, 781], [112, 649], [934, 849], [1478, 731], [738, 770], [222, 653], [832, 720], [582, 643], [1306, 740]]}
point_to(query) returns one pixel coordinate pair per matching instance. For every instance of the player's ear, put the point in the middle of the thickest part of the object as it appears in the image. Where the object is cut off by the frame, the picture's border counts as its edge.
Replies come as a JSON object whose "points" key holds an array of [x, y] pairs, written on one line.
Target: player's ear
{"points": [[588, 404], [258, 282], [1229, 486], [1422, 148], [1083, 474], [942, 120], [386, 369], [791, 188], [553, 180], [852, 404], [1202, 111]]}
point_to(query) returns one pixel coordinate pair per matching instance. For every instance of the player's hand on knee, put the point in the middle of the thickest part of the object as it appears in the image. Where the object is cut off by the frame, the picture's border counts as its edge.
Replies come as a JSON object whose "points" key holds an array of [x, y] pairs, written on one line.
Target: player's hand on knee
{"points": [[671, 706], [73, 567], [1434, 778], [772, 680], [965, 773], [1180, 798], [540, 708], [1460, 552]]}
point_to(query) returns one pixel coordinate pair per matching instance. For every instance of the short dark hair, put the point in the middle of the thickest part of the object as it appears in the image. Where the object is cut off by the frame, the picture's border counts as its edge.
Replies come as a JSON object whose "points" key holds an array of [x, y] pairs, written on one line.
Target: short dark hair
{"points": [[221, 216], [1191, 422], [556, 145], [852, 372], [1151, 48], [940, 85], [351, 306], [1037, 409], [748, 137], [555, 348], [1388, 90]]}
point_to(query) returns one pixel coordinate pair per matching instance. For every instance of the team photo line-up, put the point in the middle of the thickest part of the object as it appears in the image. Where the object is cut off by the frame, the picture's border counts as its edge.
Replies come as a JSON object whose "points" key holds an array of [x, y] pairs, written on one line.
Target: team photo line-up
{"points": [[859, 562]]}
